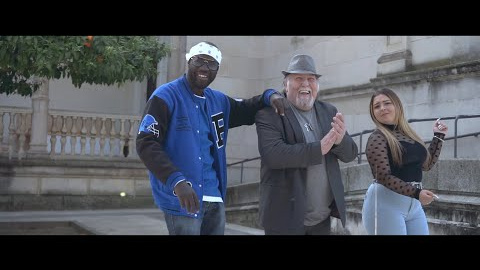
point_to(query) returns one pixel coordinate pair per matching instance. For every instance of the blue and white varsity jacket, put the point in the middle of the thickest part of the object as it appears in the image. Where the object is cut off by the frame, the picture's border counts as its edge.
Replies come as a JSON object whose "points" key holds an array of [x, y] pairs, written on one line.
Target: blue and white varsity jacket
{"points": [[169, 145]]}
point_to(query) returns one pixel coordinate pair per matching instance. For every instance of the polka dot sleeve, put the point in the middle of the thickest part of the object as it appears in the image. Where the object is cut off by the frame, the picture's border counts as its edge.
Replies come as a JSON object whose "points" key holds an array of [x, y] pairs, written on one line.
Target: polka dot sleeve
{"points": [[434, 149], [377, 156]]}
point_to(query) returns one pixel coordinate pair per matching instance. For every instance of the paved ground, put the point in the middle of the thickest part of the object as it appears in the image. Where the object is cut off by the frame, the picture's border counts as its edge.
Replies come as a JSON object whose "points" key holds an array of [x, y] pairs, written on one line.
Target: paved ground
{"points": [[101, 222]]}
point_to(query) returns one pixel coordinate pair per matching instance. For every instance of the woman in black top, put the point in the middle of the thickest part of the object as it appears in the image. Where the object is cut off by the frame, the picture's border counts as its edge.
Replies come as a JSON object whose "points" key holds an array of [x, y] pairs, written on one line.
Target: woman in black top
{"points": [[397, 157]]}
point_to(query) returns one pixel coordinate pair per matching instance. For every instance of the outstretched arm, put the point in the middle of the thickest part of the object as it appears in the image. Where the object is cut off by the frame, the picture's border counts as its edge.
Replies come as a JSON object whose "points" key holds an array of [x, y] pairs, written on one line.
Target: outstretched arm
{"points": [[242, 111]]}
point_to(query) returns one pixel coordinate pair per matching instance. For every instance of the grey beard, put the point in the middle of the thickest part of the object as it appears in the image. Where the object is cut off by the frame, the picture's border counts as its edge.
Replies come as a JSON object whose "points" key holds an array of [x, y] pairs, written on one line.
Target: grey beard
{"points": [[303, 104]]}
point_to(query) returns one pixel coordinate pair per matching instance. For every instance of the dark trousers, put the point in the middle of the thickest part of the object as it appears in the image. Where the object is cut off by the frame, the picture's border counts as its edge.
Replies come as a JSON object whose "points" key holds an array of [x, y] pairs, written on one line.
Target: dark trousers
{"points": [[322, 228]]}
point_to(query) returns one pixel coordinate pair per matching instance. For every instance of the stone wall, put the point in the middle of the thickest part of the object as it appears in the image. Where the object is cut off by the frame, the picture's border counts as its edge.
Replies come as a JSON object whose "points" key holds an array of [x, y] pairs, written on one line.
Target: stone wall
{"points": [[46, 184]]}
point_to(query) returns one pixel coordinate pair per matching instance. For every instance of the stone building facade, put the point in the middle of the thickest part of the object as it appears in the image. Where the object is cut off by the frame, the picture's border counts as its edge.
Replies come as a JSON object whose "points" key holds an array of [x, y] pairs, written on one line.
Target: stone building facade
{"points": [[68, 148]]}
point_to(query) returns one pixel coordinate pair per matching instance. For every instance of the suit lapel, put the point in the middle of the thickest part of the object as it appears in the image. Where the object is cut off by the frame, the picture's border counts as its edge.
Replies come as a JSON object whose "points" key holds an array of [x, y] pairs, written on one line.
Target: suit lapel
{"points": [[293, 130]]}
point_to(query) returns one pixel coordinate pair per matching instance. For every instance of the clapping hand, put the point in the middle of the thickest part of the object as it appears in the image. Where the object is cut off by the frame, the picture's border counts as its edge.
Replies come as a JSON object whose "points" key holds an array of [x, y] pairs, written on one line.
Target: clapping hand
{"points": [[328, 141], [338, 125]]}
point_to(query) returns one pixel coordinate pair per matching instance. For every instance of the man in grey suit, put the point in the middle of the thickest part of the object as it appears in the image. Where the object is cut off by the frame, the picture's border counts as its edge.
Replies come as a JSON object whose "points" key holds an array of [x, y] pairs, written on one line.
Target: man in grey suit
{"points": [[301, 185]]}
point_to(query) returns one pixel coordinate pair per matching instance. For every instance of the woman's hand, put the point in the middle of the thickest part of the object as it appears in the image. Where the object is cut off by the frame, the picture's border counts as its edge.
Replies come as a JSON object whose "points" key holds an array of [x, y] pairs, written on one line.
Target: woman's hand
{"points": [[439, 126], [426, 197]]}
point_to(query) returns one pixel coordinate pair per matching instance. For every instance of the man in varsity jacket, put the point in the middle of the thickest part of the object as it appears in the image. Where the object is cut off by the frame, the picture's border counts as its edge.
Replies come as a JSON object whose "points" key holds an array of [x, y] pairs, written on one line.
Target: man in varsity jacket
{"points": [[182, 140]]}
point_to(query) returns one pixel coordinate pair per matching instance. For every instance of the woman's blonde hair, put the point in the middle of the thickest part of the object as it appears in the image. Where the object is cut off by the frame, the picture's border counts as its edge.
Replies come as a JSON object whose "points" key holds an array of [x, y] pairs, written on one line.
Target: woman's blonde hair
{"points": [[401, 125]]}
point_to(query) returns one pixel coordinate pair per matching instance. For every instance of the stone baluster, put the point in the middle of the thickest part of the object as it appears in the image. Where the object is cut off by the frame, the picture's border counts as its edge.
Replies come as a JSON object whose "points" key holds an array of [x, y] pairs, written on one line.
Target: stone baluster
{"points": [[73, 138], [21, 130], [83, 136], [131, 138], [63, 135], [113, 137], [53, 135], [93, 138], [102, 136], [122, 137], [11, 135], [28, 132], [49, 131]]}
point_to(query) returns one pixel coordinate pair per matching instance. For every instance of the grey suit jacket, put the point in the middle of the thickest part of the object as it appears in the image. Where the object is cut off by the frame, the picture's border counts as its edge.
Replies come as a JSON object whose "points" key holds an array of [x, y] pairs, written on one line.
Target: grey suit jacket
{"points": [[284, 160]]}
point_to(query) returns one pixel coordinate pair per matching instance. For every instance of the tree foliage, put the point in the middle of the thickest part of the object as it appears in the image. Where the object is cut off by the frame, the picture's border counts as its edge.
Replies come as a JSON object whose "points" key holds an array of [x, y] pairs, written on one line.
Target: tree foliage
{"points": [[85, 59]]}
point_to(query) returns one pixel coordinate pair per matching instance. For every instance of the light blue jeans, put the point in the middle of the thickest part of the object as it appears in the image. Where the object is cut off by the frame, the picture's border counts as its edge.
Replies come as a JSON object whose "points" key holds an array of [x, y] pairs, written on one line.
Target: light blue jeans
{"points": [[211, 223], [396, 214]]}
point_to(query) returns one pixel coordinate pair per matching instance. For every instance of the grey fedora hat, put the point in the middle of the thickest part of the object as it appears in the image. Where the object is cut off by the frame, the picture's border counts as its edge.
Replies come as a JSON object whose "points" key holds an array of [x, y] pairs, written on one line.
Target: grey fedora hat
{"points": [[303, 64]]}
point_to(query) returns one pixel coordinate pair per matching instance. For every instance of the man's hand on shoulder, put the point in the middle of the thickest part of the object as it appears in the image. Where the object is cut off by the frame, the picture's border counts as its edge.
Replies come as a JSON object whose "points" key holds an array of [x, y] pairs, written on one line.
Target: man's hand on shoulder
{"points": [[276, 101]]}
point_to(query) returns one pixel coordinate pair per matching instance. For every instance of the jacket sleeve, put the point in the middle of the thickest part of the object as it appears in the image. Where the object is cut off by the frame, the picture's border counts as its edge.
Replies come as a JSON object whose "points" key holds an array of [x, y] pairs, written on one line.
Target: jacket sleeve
{"points": [[435, 148], [150, 141], [347, 150], [242, 111], [274, 149]]}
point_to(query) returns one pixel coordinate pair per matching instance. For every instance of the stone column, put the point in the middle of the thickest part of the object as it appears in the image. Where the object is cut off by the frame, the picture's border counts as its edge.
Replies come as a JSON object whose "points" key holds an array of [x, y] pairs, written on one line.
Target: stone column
{"points": [[176, 61], [162, 66], [139, 97], [174, 65], [397, 56], [38, 143]]}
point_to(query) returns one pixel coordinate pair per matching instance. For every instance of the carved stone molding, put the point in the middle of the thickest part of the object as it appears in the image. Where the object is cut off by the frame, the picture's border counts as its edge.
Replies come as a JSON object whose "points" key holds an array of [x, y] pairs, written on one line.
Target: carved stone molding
{"points": [[397, 56], [448, 72]]}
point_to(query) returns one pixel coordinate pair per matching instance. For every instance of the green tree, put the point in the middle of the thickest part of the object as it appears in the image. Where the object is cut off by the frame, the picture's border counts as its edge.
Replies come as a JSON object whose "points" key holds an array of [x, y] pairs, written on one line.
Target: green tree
{"points": [[85, 59]]}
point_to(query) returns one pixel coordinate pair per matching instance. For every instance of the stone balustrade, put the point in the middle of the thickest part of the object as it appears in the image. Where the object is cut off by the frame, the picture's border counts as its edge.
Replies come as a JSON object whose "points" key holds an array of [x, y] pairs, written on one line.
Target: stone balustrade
{"points": [[15, 130], [87, 134], [70, 134]]}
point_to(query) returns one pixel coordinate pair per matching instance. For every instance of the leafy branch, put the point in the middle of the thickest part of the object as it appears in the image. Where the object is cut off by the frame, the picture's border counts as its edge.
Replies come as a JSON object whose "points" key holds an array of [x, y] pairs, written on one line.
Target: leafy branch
{"points": [[93, 59]]}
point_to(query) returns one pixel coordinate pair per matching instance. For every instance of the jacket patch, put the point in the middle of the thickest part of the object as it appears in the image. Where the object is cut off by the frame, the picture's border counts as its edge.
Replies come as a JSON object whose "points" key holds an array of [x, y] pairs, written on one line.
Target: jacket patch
{"points": [[148, 125], [219, 124]]}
